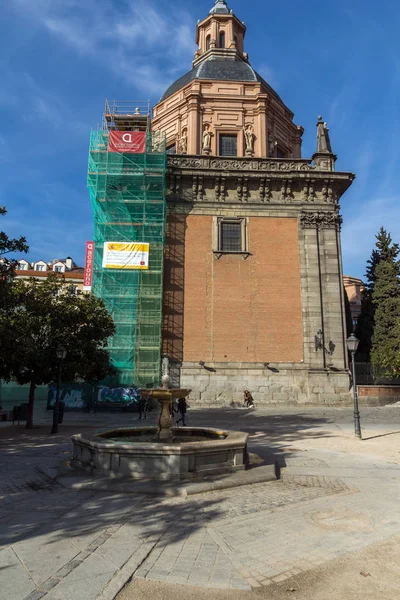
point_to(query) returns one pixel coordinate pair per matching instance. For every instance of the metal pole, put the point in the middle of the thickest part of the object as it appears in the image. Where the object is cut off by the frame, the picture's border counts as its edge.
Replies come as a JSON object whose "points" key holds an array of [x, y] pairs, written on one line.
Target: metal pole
{"points": [[357, 425], [56, 410]]}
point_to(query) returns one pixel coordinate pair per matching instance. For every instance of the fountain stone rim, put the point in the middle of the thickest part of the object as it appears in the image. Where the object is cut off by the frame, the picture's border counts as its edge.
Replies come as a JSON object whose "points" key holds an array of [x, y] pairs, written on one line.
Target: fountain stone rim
{"points": [[233, 439]]}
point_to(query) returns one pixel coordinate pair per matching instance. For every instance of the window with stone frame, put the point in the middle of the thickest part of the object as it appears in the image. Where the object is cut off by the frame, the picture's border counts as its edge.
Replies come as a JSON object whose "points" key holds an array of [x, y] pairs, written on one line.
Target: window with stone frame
{"points": [[171, 149], [227, 144], [208, 42], [222, 39], [231, 235]]}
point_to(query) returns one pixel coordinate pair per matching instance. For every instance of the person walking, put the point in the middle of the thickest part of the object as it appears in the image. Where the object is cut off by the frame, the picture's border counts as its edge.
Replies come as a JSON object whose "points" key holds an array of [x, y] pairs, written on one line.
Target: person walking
{"points": [[182, 409], [248, 399], [143, 405]]}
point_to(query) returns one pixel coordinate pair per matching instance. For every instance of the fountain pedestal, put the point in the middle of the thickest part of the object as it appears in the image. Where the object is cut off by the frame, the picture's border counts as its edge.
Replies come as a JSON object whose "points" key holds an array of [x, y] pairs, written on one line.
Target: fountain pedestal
{"points": [[165, 421], [166, 397]]}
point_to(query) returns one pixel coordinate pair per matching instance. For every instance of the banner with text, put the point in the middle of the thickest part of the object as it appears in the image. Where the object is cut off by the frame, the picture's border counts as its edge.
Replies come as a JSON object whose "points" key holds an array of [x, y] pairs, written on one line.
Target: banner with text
{"points": [[88, 272], [131, 142], [122, 255]]}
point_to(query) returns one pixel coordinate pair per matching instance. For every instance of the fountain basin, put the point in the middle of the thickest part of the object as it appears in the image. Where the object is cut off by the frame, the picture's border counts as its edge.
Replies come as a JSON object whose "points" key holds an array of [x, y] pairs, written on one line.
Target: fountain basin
{"points": [[103, 454]]}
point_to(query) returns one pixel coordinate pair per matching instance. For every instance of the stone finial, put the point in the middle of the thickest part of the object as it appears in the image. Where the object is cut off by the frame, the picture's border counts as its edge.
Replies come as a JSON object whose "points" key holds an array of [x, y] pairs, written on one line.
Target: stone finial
{"points": [[323, 140]]}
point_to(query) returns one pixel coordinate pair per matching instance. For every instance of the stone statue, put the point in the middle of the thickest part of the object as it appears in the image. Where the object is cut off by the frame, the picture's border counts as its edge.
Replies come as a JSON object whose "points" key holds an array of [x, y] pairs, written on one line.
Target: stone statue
{"points": [[249, 137], [183, 143], [207, 140], [272, 144], [323, 140]]}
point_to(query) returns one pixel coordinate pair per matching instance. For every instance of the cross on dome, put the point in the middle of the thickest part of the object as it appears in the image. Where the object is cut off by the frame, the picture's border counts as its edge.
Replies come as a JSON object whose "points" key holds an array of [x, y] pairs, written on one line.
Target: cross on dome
{"points": [[220, 7]]}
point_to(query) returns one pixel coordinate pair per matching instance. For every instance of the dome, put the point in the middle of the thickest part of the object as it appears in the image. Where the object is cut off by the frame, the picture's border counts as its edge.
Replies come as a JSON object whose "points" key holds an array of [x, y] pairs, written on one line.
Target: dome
{"points": [[219, 69]]}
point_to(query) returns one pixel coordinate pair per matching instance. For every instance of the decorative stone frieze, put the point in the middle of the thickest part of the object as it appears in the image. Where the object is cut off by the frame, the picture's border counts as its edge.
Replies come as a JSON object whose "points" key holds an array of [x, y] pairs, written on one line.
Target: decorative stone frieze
{"points": [[239, 164], [321, 220]]}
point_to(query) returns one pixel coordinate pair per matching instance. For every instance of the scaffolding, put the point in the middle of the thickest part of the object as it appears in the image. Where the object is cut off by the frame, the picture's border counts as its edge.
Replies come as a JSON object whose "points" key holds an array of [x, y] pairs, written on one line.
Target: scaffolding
{"points": [[127, 193]]}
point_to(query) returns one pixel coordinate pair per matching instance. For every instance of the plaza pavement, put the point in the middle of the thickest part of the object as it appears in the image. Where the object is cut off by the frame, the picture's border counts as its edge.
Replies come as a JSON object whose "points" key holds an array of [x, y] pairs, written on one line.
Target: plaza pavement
{"points": [[338, 499]]}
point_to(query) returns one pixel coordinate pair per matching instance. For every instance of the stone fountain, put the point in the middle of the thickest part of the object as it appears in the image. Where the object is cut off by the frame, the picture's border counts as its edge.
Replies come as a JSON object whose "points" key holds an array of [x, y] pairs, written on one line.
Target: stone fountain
{"points": [[166, 397], [163, 453]]}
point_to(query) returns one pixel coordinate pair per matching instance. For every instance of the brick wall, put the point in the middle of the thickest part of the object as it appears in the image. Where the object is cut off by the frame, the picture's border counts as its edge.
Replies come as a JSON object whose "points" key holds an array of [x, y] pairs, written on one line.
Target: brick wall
{"points": [[239, 310]]}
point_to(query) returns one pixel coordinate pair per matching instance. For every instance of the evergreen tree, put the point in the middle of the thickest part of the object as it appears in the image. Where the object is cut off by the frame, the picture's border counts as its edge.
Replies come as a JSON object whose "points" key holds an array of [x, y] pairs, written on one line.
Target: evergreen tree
{"points": [[385, 250], [386, 300]]}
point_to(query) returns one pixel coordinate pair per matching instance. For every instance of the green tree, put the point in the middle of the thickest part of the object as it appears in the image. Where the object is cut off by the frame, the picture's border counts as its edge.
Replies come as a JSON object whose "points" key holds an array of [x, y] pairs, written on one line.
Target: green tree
{"points": [[8, 246], [44, 315], [386, 300], [7, 272], [387, 251]]}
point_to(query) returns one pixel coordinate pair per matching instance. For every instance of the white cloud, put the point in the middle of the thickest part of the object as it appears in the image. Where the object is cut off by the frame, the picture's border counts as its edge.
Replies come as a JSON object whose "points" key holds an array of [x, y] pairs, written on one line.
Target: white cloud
{"points": [[128, 39], [364, 163], [269, 75]]}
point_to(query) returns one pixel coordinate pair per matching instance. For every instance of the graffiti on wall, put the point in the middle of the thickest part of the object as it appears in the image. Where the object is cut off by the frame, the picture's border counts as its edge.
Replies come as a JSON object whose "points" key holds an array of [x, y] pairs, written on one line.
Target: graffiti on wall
{"points": [[121, 396], [72, 397]]}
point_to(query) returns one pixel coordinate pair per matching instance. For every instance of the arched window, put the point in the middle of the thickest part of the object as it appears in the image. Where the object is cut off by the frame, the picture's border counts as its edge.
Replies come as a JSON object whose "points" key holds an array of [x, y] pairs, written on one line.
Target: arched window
{"points": [[222, 39], [208, 42]]}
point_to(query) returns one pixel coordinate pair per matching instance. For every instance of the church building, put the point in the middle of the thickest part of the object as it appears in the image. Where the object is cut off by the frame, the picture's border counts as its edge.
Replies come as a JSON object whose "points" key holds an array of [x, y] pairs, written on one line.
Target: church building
{"points": [[253, 286], [216, 244]]}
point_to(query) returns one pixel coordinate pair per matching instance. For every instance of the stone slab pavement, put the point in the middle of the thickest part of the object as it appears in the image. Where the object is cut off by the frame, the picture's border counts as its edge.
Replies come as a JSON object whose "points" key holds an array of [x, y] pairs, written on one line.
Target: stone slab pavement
{"points": [[337, 496]]}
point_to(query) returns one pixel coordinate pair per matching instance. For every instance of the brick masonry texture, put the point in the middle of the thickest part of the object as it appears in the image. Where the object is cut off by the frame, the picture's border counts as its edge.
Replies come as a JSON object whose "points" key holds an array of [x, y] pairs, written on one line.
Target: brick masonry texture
{"points": [[235, 308]]}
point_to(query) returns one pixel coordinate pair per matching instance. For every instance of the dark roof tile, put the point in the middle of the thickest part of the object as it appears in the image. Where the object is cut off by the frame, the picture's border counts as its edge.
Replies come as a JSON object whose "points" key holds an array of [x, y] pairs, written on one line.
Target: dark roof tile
{"points": [[223, 69]]}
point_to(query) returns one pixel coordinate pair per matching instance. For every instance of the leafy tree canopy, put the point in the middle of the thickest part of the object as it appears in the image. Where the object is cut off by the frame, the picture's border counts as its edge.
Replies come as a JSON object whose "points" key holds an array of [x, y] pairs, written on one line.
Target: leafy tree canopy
{"points": [[40, 317], [7, 246]]}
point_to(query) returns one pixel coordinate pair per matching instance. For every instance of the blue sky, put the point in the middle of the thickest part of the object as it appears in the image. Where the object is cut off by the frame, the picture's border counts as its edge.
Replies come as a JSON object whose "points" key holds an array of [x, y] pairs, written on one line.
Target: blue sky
{"points": [[60, 59]]}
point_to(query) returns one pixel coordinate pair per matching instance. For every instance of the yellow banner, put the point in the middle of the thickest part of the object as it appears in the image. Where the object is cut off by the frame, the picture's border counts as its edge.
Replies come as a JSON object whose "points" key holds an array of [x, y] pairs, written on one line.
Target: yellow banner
{"points": [[126, 255]]}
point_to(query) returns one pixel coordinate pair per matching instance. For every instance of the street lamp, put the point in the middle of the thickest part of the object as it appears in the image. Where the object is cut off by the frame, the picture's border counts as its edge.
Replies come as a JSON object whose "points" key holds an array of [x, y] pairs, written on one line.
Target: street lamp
{"points": [[352, 345], [61, 353]]}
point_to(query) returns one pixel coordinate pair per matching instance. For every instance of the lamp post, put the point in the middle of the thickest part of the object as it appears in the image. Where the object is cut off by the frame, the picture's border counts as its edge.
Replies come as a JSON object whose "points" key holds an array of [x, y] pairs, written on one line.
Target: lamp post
{"points": [[352, 345], [61, 353]]}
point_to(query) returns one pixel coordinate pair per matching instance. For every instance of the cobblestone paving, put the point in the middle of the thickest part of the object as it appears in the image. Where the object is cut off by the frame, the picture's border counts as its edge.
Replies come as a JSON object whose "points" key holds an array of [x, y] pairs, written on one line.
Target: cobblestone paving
{"points": [[60, 544], [232, 551], [248, 500], [196, 560]]}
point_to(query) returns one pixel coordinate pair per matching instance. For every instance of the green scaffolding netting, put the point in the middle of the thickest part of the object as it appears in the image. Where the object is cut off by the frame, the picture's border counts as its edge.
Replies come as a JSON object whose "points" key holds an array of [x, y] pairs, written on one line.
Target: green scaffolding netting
{"points": [[127, 193]]}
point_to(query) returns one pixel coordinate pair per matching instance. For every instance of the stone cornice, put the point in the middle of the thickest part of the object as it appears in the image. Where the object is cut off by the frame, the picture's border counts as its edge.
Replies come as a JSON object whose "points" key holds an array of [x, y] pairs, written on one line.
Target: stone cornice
{"points": [[210, 180], [231, 166]]}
